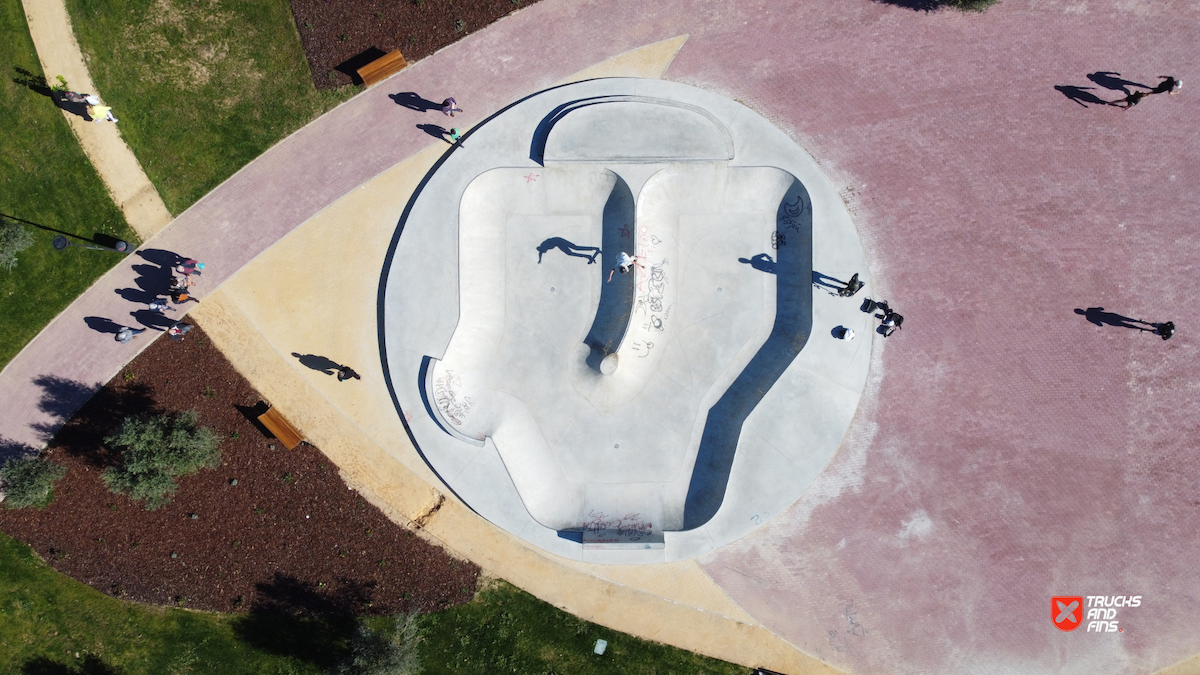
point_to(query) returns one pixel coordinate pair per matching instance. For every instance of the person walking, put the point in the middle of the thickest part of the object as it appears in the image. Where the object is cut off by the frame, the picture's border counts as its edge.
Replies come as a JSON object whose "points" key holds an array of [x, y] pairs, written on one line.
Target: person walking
{"points": [[1164, 330], [159, 306], [189, 267], [345, 373], [625, 262], [126, 334], [1169, 85], [99, 113], [178, 330], [1132, 99], [450, 106]]}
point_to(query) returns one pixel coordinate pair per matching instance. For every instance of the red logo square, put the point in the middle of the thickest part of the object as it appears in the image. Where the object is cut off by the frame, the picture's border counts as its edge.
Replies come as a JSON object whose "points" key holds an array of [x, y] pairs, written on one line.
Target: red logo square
{"points": [[1066, 611]]}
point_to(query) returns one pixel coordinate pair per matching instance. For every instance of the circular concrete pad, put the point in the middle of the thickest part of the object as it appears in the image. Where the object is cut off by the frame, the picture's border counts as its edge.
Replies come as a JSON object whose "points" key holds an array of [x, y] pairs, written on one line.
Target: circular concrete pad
{"points": [[504, 310]]}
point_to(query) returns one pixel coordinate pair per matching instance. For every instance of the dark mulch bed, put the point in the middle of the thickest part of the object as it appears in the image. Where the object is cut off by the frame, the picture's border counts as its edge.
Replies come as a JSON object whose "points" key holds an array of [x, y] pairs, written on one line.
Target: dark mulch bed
{"points": [[340, 36], [289, 537]]}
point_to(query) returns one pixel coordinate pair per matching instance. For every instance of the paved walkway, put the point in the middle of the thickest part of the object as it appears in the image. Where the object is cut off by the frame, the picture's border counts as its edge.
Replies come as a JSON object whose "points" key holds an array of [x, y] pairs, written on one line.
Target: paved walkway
{"points": [[1006, 450], [59, 53]]}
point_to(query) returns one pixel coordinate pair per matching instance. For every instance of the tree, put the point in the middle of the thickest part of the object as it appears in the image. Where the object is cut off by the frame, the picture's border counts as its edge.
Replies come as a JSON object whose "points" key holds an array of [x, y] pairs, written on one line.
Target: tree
{"points": [[14, 238], [391, 650], [155, 451], [29, 481]]}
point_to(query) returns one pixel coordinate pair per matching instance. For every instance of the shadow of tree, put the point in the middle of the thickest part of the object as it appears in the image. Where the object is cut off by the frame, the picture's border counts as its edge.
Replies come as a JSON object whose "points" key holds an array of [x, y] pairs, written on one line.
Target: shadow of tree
{"points": [[61, 397], [304, 620], [90, 664], [12, 449], [83, 414]]}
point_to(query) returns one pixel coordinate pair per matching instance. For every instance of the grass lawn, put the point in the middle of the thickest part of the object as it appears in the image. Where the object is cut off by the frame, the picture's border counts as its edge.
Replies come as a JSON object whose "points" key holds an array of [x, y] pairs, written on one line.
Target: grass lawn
{"points": [[201, 88], [50, 623], [506, 630], [44, 178]]}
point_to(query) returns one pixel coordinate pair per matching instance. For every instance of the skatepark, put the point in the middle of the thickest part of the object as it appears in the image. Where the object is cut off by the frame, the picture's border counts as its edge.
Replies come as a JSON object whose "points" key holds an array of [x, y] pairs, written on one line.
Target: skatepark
{"points": [[899, 505]]}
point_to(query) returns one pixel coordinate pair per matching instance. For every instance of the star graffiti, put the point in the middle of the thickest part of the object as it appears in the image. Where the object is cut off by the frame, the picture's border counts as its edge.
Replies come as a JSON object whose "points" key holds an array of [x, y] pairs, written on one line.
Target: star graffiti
{"points": [[531, 177]]}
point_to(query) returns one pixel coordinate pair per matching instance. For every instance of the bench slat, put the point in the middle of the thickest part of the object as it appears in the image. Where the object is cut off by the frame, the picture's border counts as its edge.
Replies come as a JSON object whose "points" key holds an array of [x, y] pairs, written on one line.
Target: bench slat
{"points": [[382, 67], [283, 430]]}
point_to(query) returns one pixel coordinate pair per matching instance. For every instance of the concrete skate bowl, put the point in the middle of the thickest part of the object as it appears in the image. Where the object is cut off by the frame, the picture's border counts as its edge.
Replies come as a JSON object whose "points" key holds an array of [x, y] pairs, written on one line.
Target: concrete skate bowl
{"points": [[625, 418]]}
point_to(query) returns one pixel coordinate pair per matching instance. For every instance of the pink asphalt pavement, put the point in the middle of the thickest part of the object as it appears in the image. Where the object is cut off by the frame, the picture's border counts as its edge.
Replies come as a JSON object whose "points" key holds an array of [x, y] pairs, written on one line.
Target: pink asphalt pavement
{"points": [[1006, 449]]}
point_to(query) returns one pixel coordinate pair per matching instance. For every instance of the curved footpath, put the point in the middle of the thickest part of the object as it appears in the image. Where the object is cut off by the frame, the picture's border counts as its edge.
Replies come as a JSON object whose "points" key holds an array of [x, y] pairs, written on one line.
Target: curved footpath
{"points": [[1006, 449], [59, 53]]}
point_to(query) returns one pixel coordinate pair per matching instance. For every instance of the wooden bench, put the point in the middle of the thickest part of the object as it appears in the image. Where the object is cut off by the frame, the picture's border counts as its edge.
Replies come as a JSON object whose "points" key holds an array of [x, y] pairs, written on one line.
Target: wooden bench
{"points": [[283, 430], [382, 67]]}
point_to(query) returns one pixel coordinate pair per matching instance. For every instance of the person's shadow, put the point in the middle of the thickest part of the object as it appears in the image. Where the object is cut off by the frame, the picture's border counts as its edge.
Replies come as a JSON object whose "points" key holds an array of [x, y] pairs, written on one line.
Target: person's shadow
{"points": [[1081, 95], [569, 248], [153, 280], [413, 101], [153, 320], [38, 84], [319, 363], [1098, 316], [826, 281], [102, 324], [761, 262], [1113, 80], [436, 131]]}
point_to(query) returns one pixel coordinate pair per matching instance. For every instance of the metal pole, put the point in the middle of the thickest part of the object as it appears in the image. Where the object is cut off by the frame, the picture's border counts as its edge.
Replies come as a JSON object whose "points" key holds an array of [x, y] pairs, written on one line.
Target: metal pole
{"points": [[60, 243]]}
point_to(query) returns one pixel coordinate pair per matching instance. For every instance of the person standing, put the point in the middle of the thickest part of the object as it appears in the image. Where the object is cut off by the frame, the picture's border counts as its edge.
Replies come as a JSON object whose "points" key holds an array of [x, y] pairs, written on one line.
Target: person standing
{"points": [[1165, 330], [450, 106]]}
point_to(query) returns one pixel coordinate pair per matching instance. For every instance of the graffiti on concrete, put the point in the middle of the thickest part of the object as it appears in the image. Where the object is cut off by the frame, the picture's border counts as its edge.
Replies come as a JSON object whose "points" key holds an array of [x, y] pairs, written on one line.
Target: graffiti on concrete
{"points": [[446, 396]]}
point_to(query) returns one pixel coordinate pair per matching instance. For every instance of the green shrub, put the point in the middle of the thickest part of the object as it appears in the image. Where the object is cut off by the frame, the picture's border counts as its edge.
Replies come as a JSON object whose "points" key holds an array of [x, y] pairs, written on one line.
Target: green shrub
{"points": [[29, 481], [388, 650], [155, 451], [14, 238]]}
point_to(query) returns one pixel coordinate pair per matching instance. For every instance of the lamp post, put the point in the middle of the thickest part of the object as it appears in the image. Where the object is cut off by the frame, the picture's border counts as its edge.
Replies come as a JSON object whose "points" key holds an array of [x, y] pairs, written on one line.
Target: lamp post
{"points": [[61, 243]]}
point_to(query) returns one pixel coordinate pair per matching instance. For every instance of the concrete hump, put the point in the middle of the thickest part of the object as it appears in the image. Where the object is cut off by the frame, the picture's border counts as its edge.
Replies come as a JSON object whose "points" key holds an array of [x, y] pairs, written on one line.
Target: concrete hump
{"points": [[633, 129]]}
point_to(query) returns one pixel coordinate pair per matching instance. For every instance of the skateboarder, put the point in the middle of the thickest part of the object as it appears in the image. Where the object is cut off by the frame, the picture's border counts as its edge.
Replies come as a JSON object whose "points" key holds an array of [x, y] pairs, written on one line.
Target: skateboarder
{"points": [[625, 262]]}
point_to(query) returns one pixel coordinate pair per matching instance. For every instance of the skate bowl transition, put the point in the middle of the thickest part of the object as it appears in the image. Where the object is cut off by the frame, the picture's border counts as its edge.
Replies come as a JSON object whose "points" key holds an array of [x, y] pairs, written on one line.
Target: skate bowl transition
{"points": [[614, 417]]}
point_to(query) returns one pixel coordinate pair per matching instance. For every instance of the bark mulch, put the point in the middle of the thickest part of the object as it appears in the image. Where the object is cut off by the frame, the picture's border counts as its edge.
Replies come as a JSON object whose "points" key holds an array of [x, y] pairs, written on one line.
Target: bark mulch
{"points": [[289, 537], [340, 36]]}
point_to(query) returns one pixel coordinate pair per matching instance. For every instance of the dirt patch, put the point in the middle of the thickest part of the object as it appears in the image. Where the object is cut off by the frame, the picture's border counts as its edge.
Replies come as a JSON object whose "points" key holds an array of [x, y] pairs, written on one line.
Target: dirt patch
{"points": [[288, 536], [340, 36]]}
